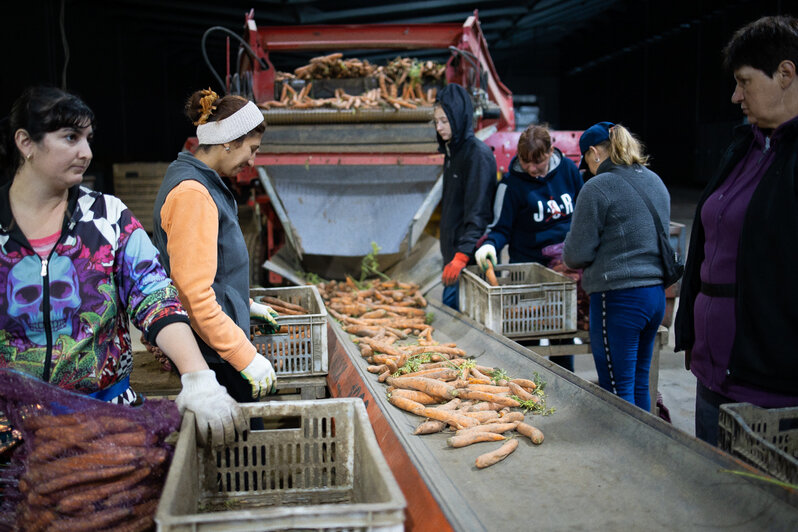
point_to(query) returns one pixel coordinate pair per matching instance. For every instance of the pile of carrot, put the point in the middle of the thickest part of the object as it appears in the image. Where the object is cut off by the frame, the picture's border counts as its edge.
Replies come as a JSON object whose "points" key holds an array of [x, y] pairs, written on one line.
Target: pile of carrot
{"points": [[89, 472], [434, 381], [400, 84]]}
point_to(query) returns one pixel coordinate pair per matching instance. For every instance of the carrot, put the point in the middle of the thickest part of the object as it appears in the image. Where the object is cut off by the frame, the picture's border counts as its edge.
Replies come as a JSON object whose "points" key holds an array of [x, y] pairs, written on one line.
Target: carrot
{"points": [[479, 375], [458, 421], [33, 423], [511, 416], [530, 432], [39, 519], [407, 404], [481, 406], [484, 416], [90, 522], [490, 275], [463, 440], [382, 347], [432, 387], [86, 498], [80, 477], [415, 350], [433, 373], [525, 383], [452, 404], [489, 388], [142, 492], [415, 395], [377, 369], [520, 392], [430, 427], [137, 525], [498, 428], [487, 397], [402, 310], [488, 459], [48, 450]]}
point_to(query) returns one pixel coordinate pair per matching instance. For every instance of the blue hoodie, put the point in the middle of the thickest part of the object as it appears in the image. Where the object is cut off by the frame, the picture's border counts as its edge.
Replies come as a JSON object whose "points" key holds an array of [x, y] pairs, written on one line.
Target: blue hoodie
{"points": [[469, 177], [534, 212]]}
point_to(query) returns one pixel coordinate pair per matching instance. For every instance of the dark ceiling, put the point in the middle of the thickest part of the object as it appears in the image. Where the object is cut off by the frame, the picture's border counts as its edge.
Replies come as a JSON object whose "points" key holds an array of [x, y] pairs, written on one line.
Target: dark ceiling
{"points": [[652, 64]]}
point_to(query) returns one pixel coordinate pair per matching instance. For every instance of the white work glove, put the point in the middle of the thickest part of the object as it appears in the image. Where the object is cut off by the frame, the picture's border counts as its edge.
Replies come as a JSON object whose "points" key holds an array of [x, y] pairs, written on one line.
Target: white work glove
{"points": [[261, 377], [215, 411], [484, 254], [262, 316]]}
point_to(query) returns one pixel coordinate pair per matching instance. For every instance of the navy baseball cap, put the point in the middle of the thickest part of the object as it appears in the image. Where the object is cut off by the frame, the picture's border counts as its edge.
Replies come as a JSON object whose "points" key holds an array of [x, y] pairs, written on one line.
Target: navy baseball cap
{"points": [[593, 136]]}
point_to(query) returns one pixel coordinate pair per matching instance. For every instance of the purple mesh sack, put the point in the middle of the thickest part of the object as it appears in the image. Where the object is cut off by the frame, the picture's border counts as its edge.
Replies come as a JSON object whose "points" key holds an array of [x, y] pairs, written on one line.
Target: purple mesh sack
{"points": [[83, 464]]}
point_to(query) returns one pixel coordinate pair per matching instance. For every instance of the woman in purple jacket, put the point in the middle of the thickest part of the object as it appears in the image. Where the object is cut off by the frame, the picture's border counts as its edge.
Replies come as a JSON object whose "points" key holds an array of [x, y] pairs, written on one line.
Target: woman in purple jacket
{"points": [[737, 310]]}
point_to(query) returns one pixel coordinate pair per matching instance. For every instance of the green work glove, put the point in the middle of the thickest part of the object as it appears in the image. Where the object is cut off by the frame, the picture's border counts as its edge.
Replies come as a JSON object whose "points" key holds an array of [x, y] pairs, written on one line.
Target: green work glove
{"points": [[262, 317]]}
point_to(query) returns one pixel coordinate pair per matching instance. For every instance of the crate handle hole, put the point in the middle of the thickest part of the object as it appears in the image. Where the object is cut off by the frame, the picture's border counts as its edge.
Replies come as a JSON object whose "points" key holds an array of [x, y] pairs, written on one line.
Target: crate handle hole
{"points": [[280, 423]]}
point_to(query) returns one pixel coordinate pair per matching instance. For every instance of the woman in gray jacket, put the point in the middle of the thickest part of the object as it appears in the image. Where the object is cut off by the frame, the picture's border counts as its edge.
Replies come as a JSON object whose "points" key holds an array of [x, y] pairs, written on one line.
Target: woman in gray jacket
{"points": [[614, 239]]}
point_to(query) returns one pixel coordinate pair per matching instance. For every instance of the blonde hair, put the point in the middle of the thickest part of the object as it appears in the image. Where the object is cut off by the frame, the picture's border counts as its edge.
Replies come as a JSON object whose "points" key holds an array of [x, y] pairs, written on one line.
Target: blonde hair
{"points": [[624, 148]]}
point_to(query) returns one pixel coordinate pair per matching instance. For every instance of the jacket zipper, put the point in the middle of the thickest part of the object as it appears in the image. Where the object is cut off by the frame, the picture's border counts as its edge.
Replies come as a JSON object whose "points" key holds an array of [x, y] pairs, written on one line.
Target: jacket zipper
{"points": [[46, 313], [48, 329]]}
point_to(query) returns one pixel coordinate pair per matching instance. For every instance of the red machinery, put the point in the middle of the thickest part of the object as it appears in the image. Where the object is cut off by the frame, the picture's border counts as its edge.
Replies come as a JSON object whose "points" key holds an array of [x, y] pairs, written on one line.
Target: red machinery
{"points": [[336, 182]]}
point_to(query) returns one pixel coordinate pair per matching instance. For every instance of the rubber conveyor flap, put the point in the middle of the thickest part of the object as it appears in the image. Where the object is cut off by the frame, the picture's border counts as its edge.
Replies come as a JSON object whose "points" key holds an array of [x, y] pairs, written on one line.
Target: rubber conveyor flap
{"points": [[604, 464]]}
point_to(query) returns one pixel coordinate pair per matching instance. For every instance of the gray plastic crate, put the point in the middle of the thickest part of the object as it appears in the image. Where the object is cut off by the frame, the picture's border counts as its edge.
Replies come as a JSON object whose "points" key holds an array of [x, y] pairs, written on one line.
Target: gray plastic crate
{"points": [[530, 301], [765, 438], [302, 351], [315, 466]]}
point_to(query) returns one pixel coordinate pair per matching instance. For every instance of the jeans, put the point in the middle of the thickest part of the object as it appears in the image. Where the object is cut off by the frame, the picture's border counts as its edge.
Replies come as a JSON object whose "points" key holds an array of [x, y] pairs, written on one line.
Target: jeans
{"points": [[707, 413], [451, 296], [623, 327]]}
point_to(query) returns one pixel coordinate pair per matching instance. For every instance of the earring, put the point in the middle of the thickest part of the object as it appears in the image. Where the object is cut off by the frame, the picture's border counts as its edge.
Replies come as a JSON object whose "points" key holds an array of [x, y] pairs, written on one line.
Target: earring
{"points": [[28, 157], [227, 148], [597, 159]]}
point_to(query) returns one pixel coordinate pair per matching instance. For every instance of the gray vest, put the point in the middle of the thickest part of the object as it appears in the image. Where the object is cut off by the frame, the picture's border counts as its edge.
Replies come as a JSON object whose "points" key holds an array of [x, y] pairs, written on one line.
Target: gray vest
{"points": [[231, 284]]}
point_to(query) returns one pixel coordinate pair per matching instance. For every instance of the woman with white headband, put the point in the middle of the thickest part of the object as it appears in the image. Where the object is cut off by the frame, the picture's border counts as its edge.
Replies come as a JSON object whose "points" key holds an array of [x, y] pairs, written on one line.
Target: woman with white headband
{"points": [[197, 233]]}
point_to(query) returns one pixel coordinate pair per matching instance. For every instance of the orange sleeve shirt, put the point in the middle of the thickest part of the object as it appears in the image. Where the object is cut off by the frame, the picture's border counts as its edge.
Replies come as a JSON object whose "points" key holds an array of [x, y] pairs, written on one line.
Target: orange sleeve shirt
{"points": [[190, 217]]}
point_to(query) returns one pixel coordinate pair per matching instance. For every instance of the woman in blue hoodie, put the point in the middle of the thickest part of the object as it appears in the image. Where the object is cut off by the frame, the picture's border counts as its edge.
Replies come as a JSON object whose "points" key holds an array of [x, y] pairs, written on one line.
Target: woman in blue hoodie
{"points": [[533, 206]]}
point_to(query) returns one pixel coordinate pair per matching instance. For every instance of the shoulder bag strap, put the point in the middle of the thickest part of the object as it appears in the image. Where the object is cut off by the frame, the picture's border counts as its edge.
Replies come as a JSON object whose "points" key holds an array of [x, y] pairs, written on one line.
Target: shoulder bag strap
{"points": [[654, 215]]}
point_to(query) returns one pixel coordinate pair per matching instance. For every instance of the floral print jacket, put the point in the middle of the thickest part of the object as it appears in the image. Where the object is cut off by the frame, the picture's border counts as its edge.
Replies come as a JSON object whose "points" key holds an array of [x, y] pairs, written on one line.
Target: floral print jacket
{"points": [[64, 318]]}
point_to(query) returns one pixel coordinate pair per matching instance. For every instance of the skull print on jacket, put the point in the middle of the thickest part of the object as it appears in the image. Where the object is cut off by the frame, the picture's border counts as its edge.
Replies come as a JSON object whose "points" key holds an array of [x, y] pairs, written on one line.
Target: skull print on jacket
{"points": [[64, 318]]}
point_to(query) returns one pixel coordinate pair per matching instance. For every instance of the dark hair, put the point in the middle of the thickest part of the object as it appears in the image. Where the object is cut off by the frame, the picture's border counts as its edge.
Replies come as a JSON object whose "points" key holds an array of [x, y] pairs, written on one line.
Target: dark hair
{"points": [[39, 110], [205, 106], [534, 143], [763, 44]]}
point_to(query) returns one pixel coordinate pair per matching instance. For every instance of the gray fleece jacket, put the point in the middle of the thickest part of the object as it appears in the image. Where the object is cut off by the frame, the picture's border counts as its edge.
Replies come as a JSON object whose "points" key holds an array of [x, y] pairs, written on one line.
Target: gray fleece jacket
{"points": [[612, 233]]}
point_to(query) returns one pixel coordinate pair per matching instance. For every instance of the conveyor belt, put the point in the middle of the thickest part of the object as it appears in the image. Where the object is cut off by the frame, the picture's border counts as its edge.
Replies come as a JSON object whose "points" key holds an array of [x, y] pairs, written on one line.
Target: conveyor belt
{"points": [[605, 464]]}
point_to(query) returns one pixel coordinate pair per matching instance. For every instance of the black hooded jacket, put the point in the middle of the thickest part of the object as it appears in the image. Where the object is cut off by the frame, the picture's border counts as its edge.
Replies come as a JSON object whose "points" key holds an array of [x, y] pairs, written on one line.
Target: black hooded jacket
{"points": [[469, 177]]}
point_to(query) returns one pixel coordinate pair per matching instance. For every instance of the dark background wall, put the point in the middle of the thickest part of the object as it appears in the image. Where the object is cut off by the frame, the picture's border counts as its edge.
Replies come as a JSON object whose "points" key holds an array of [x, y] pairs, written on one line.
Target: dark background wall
{"points": [[654, 66]]}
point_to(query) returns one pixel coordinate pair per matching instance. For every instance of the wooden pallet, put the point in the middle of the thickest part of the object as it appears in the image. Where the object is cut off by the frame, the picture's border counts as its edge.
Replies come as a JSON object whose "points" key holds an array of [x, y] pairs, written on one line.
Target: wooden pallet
{"points": [[308, 388]]}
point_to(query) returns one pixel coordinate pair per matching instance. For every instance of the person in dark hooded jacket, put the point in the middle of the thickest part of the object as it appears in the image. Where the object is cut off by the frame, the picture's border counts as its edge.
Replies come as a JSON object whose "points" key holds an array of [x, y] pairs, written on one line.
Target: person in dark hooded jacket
{"points": [[469, 183]]}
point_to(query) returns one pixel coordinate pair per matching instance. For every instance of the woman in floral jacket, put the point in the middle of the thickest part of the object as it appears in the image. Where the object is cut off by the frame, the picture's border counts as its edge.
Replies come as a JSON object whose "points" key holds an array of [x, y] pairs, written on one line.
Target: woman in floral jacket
{"points": [[75, 266]]}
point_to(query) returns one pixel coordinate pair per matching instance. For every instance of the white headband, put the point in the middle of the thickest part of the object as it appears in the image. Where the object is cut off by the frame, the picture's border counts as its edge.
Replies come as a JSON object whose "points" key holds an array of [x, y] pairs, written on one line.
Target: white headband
{"points": [[231, 128]]}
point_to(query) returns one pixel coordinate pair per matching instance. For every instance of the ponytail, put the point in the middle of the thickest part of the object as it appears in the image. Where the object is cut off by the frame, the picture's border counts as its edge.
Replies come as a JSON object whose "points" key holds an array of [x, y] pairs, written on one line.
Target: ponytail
{"points": [[624, 148]]}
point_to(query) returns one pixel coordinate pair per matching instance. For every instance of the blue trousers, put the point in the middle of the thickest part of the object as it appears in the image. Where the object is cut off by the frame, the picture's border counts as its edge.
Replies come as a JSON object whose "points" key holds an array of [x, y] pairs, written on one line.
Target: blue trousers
{"points": [[623, 327], [451, 296]]}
